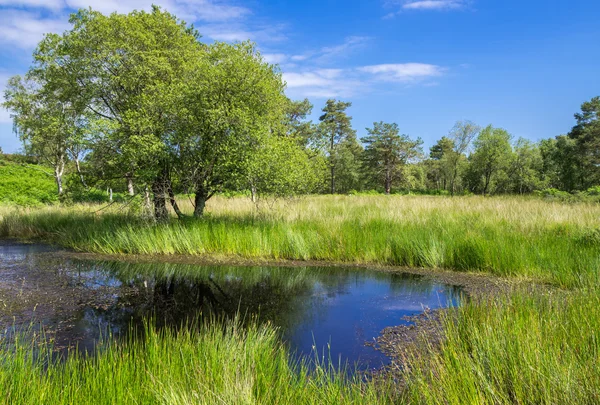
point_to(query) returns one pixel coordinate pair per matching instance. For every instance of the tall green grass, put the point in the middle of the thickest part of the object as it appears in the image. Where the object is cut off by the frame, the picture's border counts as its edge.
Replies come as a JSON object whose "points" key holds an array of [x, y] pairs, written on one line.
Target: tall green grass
{"points": [[222, 364], [521, 349], [514, 237]]}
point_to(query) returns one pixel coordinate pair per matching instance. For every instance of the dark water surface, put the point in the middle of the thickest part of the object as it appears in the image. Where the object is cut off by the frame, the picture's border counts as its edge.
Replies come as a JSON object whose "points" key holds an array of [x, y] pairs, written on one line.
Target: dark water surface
{"points": [[329, 309]]}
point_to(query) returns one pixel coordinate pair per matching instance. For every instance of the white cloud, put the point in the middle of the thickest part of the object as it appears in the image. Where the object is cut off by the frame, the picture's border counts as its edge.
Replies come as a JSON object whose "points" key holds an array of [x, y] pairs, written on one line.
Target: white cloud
{"points": [[23, 22], [239, 32], [324, 83], [433, 4], [47, 4], [25, 29], [424, 5], [403, 72], [192, 10], [275, 58], [349, 45]]}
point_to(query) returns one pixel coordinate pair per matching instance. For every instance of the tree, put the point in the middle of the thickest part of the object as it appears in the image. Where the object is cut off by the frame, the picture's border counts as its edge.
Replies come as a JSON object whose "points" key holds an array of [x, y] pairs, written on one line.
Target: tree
{"points": [[561, 163], [491, 157], [586, 134], [296, 124], [231, 109], [335, 128], [526, 167], [48, 126], [387, 152], [439, 169], [127, 71], [462, 134], [347, 158]]}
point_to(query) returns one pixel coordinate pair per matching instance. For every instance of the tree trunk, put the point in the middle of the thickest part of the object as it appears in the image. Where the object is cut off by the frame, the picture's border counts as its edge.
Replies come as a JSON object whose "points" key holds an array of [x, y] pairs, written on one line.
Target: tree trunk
{"points": [[130, 189], [147, 206], [59, 184], [78, 167], [332, 180], [200, 199], [173, 200], [160, 202], [486, 184], [332, 144], [253, 194], [388, 184], [59, 169], [110, 195]]}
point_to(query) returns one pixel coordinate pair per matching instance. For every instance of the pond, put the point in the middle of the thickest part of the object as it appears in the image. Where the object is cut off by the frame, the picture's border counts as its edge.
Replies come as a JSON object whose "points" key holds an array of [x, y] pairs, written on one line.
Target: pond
{"points": [[332, 311]]}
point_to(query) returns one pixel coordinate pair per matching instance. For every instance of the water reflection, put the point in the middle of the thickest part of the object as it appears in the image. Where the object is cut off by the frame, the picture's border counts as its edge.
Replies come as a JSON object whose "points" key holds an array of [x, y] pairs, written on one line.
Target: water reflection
{"points": [[341, 308]]}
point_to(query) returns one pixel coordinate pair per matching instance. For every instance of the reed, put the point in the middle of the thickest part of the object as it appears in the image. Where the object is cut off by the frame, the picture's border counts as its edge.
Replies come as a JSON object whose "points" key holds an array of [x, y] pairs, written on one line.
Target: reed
{"points": [[506, 236], [222, 363], [520, 349]]}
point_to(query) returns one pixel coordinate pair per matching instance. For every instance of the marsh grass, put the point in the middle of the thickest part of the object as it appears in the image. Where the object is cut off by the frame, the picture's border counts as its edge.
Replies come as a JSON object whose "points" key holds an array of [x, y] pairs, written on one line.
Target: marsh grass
{"points": [[222, 363], [505, 236], [520, 349]]}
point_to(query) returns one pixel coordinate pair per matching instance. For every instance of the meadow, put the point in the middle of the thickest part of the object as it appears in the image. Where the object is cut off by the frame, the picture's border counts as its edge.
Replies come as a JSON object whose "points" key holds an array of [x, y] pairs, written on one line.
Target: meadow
{"points": [[521, 347], [522, 237]]}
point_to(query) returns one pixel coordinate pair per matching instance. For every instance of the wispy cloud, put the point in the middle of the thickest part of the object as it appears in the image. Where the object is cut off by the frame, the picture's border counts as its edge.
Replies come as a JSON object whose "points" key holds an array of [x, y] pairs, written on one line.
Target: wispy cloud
{"points": [[323, 56], [240, 32], [24, 29], [325, 83], [344, 49], [424, 5], [403, 72], [321, 83], [24, 22], [433, 4]]}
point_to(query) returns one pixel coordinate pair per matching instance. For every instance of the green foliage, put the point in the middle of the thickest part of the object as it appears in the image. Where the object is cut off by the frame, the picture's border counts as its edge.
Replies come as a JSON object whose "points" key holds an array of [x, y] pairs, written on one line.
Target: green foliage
{"points": [[387, 153], [586, 136], [337, 138], [490, 160], [26, 184], [526, 167]]}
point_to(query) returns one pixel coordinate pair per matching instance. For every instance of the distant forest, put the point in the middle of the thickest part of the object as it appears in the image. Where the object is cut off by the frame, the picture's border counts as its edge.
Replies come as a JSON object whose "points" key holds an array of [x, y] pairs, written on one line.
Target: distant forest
{"points": [[138, 105]]}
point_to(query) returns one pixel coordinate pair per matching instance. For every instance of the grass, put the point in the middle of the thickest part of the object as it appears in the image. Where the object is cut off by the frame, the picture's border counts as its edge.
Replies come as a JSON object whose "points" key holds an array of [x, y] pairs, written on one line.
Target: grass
{"points": [[521, 348], [511, 236], [222, 364]]}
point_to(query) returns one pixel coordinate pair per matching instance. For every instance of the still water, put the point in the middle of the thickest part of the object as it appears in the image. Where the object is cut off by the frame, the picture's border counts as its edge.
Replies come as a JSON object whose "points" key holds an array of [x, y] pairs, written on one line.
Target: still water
{"points": [[328, 310]]}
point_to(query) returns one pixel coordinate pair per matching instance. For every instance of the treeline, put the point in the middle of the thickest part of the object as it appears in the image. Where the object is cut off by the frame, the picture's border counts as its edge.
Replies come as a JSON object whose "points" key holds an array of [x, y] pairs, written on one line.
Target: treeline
{"points": [[137, 103]]}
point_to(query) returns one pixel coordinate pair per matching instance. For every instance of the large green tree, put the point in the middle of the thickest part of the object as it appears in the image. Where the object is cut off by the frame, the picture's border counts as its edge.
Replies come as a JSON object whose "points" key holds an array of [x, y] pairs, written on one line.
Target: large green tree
{"points": [[387, 152], [231, 112], [127, 70]]}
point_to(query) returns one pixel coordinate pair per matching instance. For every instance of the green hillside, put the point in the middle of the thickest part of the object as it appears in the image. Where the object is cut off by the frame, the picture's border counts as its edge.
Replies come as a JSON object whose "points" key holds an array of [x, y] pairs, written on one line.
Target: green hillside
{"points": [[25, 183]]}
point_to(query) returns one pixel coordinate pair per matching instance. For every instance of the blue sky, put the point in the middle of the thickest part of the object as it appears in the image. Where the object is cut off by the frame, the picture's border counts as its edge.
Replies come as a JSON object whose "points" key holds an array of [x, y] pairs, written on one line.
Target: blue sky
{"points": [[524, 65]]}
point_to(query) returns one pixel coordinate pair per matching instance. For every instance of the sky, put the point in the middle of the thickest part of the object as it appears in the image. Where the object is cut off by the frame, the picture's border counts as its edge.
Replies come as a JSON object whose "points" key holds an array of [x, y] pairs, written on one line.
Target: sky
{"points": [[523, 65]]}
